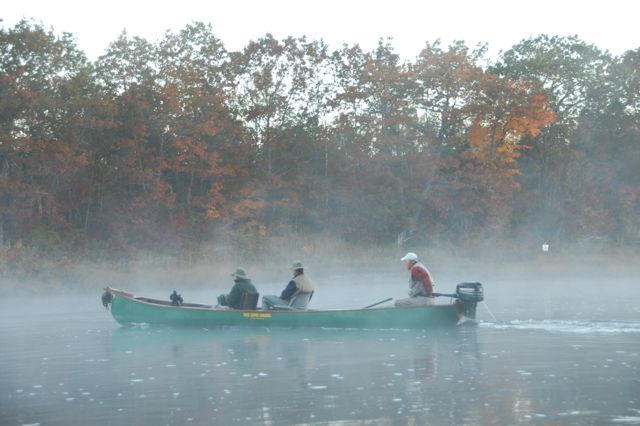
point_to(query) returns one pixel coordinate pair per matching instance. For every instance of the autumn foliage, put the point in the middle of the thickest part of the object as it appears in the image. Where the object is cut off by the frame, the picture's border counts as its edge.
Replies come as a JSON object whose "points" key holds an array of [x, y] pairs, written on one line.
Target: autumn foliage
{"points": [[163, 146]]}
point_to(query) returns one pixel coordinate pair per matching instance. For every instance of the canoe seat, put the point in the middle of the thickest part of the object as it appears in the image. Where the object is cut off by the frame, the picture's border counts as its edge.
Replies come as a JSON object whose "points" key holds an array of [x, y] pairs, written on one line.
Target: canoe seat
{"points": [[250, 301], [297, 302], [300, 300]]}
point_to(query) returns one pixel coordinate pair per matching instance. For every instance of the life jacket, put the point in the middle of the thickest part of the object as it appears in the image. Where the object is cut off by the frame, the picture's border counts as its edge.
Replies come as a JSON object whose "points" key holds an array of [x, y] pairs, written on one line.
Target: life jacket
{"points": [[419, 288], [303, 284]]}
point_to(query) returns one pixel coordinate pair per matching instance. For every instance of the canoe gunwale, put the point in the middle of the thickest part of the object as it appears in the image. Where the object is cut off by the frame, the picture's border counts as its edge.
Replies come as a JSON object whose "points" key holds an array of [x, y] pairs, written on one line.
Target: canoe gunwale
{"points": [[208, 308]]}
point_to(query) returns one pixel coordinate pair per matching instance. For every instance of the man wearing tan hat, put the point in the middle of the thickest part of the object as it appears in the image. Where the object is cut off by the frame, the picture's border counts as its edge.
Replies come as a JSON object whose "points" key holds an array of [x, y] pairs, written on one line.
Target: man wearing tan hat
{"points": [[296, 295], [242, 284], [420, 283]]}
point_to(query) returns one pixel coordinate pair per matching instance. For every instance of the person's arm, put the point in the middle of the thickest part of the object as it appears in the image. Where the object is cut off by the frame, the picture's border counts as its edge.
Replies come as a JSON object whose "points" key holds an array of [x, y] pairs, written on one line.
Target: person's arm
{"points": [[416, 289], [288, 291], [222, 300]]}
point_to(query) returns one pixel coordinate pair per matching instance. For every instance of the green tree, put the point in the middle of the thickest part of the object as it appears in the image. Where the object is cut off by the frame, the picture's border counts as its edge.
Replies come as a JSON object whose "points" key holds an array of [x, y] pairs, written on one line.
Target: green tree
{"points": [[608, 134], [280, 94], [564, 68], [375, 129]]}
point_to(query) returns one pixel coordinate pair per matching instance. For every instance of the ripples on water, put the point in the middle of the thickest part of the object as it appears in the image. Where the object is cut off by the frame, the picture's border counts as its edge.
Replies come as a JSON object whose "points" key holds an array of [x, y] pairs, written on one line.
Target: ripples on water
{"points": [[74, 365], [568, 326]]}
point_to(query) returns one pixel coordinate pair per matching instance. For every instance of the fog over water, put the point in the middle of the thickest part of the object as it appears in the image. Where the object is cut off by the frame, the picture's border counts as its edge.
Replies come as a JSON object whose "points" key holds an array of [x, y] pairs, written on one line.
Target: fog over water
{"points": [[551, 348]]}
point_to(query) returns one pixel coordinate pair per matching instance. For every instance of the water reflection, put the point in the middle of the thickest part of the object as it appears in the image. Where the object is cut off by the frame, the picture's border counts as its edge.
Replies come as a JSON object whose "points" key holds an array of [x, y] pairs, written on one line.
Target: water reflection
{"points": [[79, 368], [291, 375]]}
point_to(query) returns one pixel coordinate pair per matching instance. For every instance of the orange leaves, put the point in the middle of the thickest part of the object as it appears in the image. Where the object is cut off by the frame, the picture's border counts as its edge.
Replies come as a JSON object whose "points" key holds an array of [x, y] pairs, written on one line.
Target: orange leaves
{"points": [[164, 142], [246, 208], [505, 114], [213, 213]]}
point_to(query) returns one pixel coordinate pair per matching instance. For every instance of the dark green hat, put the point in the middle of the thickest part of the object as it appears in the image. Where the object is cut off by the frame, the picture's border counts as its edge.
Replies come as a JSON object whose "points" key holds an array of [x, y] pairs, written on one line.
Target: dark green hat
{"points": [[240, 273]]}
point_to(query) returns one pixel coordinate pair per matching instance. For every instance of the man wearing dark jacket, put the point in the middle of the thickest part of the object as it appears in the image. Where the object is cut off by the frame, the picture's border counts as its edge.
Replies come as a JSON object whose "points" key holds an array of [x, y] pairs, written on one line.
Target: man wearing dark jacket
{"points": [[242, 285]]}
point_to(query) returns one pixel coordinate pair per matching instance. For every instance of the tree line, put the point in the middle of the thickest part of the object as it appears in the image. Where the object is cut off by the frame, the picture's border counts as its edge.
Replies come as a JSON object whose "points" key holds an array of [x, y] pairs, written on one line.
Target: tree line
{"points": [[160, 146]]}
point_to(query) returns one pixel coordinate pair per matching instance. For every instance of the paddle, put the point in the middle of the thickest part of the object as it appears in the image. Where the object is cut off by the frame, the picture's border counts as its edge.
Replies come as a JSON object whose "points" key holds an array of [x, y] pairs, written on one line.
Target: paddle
{"points": [[376, 304]]}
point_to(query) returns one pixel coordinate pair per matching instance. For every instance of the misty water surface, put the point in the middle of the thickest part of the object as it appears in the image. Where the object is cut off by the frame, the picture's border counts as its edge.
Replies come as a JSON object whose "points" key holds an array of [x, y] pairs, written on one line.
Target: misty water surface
{"points": [[547, 352]]}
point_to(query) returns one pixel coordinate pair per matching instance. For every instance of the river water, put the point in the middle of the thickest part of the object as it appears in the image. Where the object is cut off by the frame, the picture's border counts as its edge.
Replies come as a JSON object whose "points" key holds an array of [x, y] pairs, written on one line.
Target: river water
{"points": [[564, 355]]}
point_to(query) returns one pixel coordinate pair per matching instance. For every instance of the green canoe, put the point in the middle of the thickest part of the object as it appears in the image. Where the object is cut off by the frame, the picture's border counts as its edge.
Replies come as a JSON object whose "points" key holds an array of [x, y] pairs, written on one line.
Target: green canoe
{"points": [[129, 309]]}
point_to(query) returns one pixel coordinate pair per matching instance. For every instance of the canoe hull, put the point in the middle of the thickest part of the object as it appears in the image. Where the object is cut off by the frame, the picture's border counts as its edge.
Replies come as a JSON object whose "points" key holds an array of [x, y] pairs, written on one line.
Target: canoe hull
{"points": [[126, 309]]}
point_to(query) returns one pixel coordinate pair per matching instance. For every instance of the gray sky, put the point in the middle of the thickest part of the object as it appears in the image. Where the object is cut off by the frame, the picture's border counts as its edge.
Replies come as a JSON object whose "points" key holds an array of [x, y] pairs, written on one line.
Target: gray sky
{"points": [[610, 25]]}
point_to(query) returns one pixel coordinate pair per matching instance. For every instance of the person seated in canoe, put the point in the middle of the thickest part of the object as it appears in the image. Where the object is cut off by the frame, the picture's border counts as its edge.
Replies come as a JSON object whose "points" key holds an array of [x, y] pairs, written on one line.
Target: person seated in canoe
{"points": [[242, 284], [297, 294], [420, 283]]}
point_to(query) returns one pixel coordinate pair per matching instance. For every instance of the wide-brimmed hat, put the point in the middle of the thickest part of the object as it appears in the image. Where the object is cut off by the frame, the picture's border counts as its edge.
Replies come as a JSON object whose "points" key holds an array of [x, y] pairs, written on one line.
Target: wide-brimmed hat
{"points": [[240, 273], [297, 265], [409, 256]]}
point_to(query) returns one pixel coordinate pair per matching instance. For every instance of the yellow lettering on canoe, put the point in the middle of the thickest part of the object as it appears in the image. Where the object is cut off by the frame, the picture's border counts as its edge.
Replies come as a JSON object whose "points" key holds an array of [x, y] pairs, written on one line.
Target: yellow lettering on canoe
{"points": [[256, 315]]}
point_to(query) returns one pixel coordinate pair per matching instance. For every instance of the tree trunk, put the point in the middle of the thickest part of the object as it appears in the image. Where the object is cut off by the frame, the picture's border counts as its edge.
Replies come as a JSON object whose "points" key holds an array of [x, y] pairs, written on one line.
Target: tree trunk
{"points": [[189, 190], [325, 181], [86, 214]]}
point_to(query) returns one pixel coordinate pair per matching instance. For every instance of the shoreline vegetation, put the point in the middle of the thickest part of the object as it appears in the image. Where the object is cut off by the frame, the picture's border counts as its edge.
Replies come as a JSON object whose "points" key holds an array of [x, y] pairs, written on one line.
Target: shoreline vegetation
{"points": [[179, 159], [327, 258]]}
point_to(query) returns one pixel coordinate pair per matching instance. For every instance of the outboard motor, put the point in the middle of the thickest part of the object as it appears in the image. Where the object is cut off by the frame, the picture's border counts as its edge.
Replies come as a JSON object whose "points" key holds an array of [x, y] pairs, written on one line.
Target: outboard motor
{"points": [[468, 295]]}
